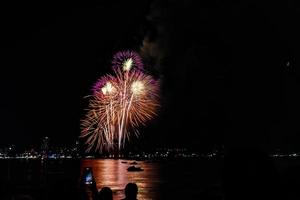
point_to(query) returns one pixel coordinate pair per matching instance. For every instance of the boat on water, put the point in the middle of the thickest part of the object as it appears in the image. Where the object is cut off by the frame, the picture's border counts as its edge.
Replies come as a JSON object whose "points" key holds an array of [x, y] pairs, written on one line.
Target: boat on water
{"points": [[133, 163], [134, 169]]}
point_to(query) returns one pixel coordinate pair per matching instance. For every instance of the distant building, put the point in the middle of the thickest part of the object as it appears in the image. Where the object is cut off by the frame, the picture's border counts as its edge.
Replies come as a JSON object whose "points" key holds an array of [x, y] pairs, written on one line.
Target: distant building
{"points": [[45, 147], [11, 151], [76, 149]]}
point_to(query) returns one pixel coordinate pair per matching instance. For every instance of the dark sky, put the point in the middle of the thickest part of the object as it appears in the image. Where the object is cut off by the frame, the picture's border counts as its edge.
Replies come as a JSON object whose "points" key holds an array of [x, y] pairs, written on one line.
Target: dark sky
{"points": [[228, 69]]}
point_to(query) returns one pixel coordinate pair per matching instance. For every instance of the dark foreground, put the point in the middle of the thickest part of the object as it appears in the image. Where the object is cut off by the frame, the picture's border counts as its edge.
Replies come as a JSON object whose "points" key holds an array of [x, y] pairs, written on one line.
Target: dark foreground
{"points": [[173, 179]]}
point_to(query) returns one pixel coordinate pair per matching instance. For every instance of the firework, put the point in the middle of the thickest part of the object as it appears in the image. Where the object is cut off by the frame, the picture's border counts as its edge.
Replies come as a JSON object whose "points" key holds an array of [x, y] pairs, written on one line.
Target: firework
{"points": [[120, 104], [126, 60]]}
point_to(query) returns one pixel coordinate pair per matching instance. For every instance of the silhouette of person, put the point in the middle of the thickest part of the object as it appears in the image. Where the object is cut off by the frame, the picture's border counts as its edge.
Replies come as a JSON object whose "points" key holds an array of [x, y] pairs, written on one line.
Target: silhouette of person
{"points": [[131, 191], [249, 174], [88, 186], [105, 194]]}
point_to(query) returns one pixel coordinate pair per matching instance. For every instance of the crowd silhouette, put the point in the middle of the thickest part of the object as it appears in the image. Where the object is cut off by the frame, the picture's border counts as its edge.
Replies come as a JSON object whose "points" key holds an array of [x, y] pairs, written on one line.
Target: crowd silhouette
{"points": [[246, 173], [131, 191]]}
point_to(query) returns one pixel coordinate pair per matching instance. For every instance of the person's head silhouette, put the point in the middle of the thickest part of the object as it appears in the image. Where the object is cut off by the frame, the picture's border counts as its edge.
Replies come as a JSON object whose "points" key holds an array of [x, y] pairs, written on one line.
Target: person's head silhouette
{"points": [[105, 194], [131, 191]]}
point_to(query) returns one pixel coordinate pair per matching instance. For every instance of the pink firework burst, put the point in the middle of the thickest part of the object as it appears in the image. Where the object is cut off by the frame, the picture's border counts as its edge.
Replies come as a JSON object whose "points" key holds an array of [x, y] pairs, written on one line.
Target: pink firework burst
{"points": [[122, 56], [120, 104]]}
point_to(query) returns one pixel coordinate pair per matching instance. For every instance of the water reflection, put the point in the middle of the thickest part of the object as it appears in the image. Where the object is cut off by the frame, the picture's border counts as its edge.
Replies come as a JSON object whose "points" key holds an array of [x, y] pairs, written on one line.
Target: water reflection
{"points": [[113, 173]]}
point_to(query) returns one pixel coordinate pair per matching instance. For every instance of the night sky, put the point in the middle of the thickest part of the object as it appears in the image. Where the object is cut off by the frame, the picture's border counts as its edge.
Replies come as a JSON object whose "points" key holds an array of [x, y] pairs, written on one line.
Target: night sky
{"points": [[227, 69]]}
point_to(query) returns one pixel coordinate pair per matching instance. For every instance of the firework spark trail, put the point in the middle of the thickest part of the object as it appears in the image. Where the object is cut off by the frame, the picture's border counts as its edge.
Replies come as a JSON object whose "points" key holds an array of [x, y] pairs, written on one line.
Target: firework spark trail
{"points": [[123, 103], [119, 104]]}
